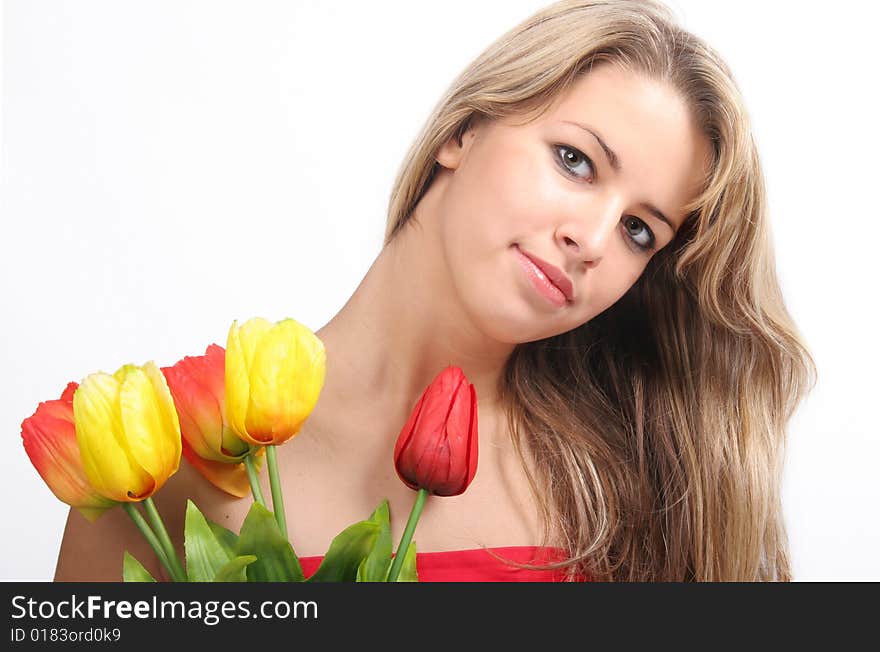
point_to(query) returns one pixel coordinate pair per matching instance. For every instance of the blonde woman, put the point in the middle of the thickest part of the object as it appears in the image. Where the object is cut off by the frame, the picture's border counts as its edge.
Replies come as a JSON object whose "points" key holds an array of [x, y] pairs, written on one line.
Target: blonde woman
{"points": [[581, 226]]}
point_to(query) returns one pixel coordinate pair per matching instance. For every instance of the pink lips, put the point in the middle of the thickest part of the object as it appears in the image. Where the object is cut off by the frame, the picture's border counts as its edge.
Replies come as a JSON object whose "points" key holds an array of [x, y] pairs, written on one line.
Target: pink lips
{"points": [[555, 275]]}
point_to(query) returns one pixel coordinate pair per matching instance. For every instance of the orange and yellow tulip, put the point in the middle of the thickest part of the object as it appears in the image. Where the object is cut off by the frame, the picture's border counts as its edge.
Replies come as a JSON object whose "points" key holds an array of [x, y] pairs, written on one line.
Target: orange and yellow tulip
{"points": [[49, 438], [199, 389]]}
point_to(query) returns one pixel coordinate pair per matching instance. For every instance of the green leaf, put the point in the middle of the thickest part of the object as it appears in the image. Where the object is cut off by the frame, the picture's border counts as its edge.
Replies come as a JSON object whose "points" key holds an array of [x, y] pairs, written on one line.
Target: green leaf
{"points": [[236, 569], [260, 536], [408, 572], [226, 538], [133, 571], [375, 567], [347, 550], [205, 557]]}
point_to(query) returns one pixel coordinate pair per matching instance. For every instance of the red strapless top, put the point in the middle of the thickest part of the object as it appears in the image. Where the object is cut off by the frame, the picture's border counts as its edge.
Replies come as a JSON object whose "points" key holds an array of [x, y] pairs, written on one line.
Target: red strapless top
{"points": [[477, 565]]}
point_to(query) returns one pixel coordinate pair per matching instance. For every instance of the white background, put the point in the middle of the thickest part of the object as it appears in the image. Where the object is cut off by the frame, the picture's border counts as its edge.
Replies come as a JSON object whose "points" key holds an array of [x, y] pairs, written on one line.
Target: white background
{"points": [[168, 167]]}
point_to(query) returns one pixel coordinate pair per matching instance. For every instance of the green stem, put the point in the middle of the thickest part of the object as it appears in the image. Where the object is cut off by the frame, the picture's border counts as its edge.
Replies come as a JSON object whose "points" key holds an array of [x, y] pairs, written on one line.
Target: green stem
{"points": [[275, 483], [253, 479], [162, 534], [407, 535], [145, 529]]}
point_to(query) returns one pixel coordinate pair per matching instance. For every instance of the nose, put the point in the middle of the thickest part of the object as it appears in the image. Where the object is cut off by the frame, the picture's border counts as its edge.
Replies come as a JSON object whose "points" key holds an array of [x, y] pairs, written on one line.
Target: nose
{"points": [[587, 232]]}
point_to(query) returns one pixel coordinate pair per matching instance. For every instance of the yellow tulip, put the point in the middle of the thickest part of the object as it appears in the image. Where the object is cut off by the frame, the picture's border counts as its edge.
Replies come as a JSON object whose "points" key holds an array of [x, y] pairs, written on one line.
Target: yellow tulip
{"points": [[128, 431], [274, 374]]}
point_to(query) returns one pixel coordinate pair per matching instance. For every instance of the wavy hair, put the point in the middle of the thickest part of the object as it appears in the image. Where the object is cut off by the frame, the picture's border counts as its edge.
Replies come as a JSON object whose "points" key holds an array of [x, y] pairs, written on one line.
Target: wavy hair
{"points": [[657, 429]]}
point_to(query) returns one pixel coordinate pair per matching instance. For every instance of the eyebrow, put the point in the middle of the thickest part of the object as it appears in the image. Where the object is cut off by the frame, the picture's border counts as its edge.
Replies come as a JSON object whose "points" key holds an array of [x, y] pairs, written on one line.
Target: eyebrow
{"points": [[616, 165]]}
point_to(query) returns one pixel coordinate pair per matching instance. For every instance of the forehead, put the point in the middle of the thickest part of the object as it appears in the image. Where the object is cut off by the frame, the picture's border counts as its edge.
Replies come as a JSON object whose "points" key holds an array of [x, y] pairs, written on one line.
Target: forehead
{"points": [[663, 156]]}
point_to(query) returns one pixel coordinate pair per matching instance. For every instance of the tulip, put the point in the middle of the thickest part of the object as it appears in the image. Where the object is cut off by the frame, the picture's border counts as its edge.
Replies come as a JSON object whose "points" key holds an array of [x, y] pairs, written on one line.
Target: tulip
{"points": [[198, 386], [274, 374], [129, 438], [128, 431], [49, 438], [436, 451], [437, 448]]}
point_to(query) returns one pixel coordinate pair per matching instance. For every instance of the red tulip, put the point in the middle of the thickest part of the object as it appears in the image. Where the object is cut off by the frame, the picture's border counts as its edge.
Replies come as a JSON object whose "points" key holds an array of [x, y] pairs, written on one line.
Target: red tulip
{"points": [[437, 448], [197, 384], [49, 438]]}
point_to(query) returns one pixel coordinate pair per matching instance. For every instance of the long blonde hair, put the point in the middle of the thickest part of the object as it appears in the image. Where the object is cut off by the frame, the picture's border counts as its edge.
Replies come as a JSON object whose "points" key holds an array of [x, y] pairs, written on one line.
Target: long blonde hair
{"points": [[657, 429]]}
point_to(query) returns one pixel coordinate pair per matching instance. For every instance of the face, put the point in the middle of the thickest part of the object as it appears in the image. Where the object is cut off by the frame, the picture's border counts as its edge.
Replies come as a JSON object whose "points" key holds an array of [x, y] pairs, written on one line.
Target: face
{"points": [[593, 188]]}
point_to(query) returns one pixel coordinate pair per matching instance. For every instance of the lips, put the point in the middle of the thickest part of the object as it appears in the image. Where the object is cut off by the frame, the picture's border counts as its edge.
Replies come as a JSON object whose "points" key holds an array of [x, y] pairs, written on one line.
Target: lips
{"points": [[555, 275]]}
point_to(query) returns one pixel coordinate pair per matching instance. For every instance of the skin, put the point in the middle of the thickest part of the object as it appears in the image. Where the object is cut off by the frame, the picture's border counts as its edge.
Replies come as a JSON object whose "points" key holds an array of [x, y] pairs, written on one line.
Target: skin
{"points": [[450, 290]]}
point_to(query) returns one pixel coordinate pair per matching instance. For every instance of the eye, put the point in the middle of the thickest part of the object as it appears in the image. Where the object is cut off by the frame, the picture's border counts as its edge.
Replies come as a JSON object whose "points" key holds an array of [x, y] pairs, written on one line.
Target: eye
{"points": [[578, 165], [573, 162], [639, 232]]}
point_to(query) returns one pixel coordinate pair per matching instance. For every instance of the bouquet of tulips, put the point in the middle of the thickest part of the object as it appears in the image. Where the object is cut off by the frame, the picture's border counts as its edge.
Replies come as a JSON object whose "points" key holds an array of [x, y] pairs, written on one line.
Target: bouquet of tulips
{"points": [[114, 440]]}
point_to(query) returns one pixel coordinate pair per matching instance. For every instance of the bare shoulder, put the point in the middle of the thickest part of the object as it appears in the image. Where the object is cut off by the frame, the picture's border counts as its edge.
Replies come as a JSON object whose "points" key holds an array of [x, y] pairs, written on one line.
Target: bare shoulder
{"points": [[93, 552]]}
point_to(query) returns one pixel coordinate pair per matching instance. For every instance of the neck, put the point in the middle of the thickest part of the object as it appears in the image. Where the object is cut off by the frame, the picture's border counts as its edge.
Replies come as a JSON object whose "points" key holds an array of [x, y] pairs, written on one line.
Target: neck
{"points": [[402, 326]]}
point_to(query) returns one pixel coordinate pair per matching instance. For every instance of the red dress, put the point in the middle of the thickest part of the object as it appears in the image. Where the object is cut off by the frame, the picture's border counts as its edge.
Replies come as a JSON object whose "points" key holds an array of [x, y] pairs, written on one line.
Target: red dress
{"points": [[477, 565]]}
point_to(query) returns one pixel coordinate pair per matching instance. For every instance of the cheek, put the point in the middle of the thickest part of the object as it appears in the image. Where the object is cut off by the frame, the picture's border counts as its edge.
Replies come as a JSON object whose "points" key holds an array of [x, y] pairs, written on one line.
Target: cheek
{"points": [[532, 193], [509, 189], [490, 203]]}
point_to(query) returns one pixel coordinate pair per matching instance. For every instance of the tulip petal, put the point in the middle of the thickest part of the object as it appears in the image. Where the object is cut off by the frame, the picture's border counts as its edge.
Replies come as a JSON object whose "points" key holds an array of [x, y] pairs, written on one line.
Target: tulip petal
{"points": [[432, 466], [473, 439], [250, 335], [198, 387], [151, 427], [286, 377], [200, 390], [58, 409], [50, 443], [190, 430], [231, 478], [214, 378], [404, 449], [168, 415], [237, 385], [67, 394], [105, 456], [212, 365], [458, 433]]}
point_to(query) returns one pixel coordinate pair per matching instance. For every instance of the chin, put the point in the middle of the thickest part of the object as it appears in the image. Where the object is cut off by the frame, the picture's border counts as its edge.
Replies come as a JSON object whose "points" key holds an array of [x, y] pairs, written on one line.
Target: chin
{"points": [[506, 327]]}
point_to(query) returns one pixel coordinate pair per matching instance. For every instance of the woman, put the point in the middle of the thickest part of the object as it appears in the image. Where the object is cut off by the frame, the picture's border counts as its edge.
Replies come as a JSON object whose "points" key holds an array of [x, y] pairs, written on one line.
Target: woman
{"points": [[581, 227]]}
